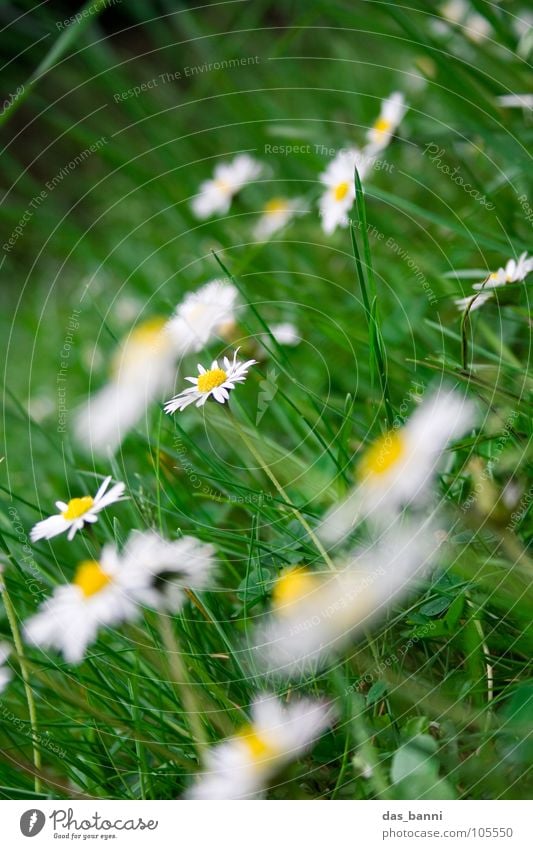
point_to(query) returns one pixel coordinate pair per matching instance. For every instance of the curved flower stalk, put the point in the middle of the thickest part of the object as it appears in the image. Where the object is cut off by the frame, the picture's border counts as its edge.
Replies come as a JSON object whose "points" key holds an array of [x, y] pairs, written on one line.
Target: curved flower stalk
{"points": [[315, 615], [215, 195], [145, 365], [149, 571], [398, 469], [242, 767], [73, 515]]}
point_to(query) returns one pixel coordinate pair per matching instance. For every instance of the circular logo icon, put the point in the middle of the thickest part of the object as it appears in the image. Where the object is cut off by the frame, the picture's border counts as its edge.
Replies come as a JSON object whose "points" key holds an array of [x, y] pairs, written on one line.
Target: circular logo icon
{"points": [[32, 822]]}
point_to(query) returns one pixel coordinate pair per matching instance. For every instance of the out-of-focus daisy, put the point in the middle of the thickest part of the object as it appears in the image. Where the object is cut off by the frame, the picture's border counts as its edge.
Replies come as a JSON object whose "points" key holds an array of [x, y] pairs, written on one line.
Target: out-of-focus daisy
{"points": [[285, 333], [150, 571], [145, 365], [143, 371], [204, 314], [215, 382], [314, 615], [215, 195], [525, 101], [242, 767], [339, 195], [459, 12], [277, 212], [398, 469], [5, 673], [75, 513], [393, 108], [514, 271]]}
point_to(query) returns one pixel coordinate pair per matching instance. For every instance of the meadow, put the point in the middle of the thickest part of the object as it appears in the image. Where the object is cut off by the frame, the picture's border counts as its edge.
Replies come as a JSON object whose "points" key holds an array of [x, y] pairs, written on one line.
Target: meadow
{"points": [[311, 575]]}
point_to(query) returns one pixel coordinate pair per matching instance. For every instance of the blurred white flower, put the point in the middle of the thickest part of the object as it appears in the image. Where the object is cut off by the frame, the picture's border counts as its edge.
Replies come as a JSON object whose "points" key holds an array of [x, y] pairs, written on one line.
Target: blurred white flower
{"points": [[459, 12], [145, 366], [393, 109], [276, 214], [525, 101], [150, 571], [514, 271], [399, 468], [215, 195], [202, 315], [74, 514], [5, 672], [215, 382], [314, 615], [242, 767], [285, 333], [339, 195]]}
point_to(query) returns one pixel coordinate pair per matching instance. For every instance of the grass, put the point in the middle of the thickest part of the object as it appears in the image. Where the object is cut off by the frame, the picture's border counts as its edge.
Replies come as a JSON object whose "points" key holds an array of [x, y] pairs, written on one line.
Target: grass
{"points": [[443, 684]]}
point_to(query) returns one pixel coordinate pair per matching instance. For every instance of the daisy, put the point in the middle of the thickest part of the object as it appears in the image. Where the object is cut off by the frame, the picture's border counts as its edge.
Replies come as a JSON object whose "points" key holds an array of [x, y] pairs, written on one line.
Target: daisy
{"points": [[143, 371], [339, 195], [203, 315], [5, 673], [393, 109], [398, 469], [241, 767], [315, 615], [276, 214], [285, 333], [215, 195], [150, 571], [214, 382], [75, 513], [514, 272]]}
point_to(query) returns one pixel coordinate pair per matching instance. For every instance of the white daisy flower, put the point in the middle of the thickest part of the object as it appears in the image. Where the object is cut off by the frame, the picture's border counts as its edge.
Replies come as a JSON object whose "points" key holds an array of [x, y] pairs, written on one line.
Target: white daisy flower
{"points": [[215, 195], [314, 615], [276, 214], [459, 12], [339, 196], [204, 314], [285, 333], [5, 673], [514, 272], [215, 382], [143, 372], [393, 109], [150, 571], [399, 468], [242, 767], [76, 512]]}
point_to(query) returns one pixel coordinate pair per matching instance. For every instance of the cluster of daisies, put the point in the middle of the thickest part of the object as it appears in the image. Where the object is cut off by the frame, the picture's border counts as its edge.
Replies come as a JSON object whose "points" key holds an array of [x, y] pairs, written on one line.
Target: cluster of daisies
{"points": [[316, 609], [229, 178]]}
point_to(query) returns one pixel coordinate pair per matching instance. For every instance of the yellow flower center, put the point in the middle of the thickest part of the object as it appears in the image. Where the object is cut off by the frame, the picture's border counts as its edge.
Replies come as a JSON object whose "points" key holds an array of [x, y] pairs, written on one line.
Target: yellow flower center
{"points": [[90, 577], [147, 332], [211, 379], [341, 190], [382, 126], [223, 186], [276, 205], [78, 507], [382, 455], [259, 749], [293, 586]]}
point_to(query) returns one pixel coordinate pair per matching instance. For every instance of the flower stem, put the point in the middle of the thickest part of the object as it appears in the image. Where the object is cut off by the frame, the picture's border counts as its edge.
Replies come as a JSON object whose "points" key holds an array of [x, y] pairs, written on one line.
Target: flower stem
{"points": [[303, 521], [180, 678], [13, 624]]}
